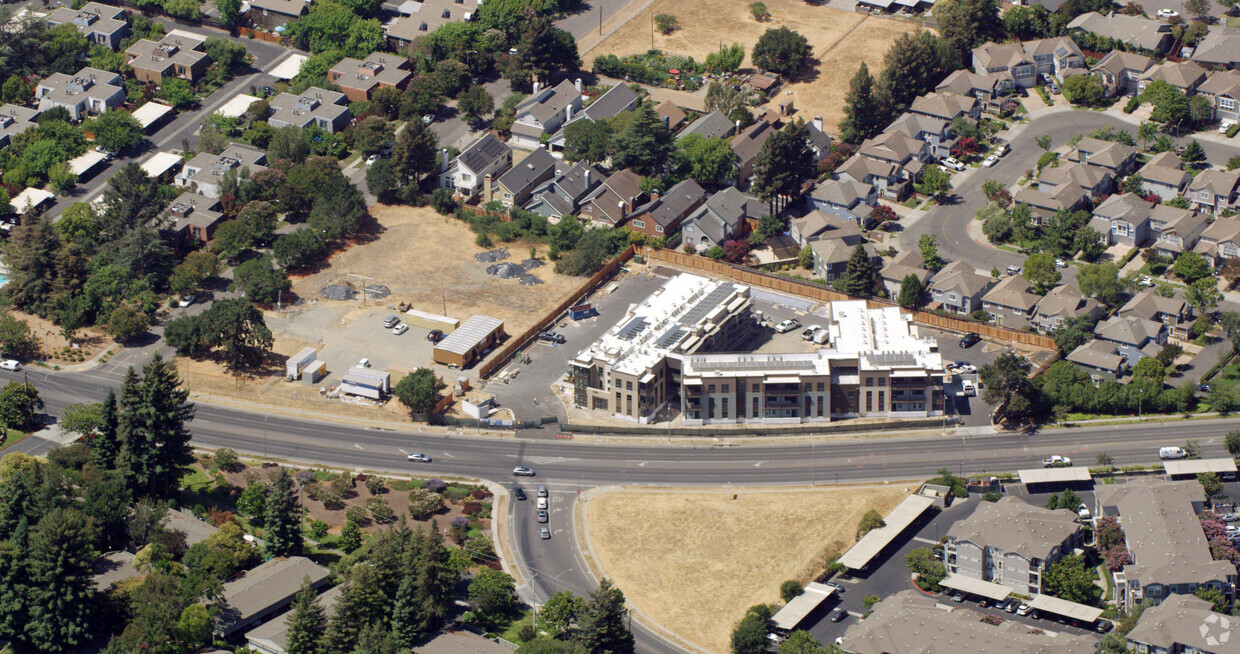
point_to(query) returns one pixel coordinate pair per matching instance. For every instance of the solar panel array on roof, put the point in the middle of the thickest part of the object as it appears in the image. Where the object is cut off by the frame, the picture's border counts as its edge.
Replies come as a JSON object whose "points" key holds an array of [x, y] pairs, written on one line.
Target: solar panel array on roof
{"points": [[670, 338], [892, 358], [753, 364], [633, 328], [707, 304]]}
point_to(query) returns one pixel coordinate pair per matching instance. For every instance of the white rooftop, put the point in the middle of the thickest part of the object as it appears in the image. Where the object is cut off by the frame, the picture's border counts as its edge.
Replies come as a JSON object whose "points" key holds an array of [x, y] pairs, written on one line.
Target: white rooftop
{"points": [[1082, 612], [159, 163], [31, 197], [150, 112], [884, 337], [88, 160], [236, 107], [1054, 475], [289, 68], [987, 589], [1199, 466], [801, 606], [874, 540]]}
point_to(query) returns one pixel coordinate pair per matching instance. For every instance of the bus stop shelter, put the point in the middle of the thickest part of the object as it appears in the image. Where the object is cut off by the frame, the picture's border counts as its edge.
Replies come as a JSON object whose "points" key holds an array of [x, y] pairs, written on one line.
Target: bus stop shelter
{"points": [[876, 540], [795, 612], [989, 590], [1048, 604]]}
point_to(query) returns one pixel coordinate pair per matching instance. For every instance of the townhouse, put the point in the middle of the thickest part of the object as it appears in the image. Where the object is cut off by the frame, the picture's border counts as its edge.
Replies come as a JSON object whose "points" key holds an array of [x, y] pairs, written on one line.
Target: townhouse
{"points": [[896, 270], [1123, 219], [1011, 302], [936, 132], [946, 106], [485, 157], [1118, 159], [1175, 230], [270, 14], [360, 78], [1133, 337], [959, 289], [888, 179], [91, 91], [662, 215], [1185, 75], [1059, 197], [544, 112], [1220, 48], [1163, 175], [315, 107], [1146, 34], [1011, 543], [1214, 190], [1063, 302], [101, 24], [1173, 312], [819, 225], [850, 200], [721, 218], [609, 204], [1222, 89], [1121, 71], [14, 120], [989, 90], [517, 185], [1094, 181], [618, 99], [562, 196], [176, 55], [1220, 241], [1024, 62], [206, 170]]}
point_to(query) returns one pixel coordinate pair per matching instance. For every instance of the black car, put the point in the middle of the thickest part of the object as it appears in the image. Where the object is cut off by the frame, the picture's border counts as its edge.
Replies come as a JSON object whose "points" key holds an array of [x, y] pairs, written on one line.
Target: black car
{"points": [[1103, 626], [435, 335], [519, 493], [839, 615], [970, 340], [266, 91], [551, 337]]}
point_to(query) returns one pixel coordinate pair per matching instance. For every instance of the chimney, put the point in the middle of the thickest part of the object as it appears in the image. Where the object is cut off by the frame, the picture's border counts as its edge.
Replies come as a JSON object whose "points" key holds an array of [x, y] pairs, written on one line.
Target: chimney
{"points": [[654, 197], [486, 188], [818, 123], [586, 176], [623, 209], [667, 120], [443, 159], [568, 112], [537, 88], [578, 85], [738, 127]]}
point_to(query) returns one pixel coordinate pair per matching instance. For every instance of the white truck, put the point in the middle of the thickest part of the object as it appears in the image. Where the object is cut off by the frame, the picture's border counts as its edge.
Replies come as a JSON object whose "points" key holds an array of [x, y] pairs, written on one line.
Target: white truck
{"points": [[1056, 461]]}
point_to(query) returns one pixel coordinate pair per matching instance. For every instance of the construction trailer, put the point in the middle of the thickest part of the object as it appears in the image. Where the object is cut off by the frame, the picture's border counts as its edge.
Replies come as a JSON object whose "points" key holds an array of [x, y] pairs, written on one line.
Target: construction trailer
{"points": [[366, 382], [298, 362], [463, 347]]}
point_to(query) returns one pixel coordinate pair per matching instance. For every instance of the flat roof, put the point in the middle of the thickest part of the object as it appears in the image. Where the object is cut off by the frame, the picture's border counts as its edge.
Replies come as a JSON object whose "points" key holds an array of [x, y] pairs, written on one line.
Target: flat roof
{"points": [[160, 163], [976, 586], [289, 68], [88, 160], [465, 337], [237, 105], [802, 605], [875, 540], [150, 112], [1065, 608], [28, 198], [1196, 467], [1054, 475]]}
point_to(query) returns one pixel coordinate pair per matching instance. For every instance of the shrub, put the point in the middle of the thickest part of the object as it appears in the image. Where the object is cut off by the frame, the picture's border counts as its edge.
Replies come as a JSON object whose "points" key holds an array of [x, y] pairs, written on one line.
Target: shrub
{"points": [[436, 485], [1231, 131], [227, 460], [471, 508], [870, 601], [357, 514], [482, 494], [318, 529], [218, 516], [380, 510], [424, 503], [790, 589], [1132, 105], [993, 619], [666, 23], [376, 485]]}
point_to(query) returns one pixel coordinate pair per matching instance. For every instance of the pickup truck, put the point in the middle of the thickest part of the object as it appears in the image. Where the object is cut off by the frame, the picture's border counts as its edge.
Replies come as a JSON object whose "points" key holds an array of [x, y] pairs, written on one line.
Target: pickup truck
{"points": [[1056, 461]]}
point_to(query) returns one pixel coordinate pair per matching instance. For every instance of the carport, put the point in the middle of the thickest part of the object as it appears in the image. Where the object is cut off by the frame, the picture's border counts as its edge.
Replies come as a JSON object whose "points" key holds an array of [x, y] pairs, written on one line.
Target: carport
{"points": [[876, 540], [1072, 610], [992, 591], [1038, 479], [1186, 469], [795, 612]]}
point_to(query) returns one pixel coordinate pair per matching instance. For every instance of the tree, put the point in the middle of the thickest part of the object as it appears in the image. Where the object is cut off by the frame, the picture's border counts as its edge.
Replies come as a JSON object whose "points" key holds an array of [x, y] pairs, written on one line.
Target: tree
{"points": [[61, 598], [783, 165], [302, 248], [1191, 267], [1073, 332], [1007, 387], [16, 339], [587, 140], [1210, 483], [1203, 294], [859, 273], [935, 182], [260, 281], [1149, 369], [282, 523], [493, 595], [781, 51], [749, 635], [643, 142], [666, 23], [801, 642], [870, 521], [969, 23], [560, 612], [1100, 281], [1199, 9], [126, 322], [915, 64], [1193, 152], [350, 537], [928, 245], [117, 130], [1069, 579], [729, 58], [152, 414], [419, 391], [1170, 104], [228, 12], [189, 275], [18, 404], [929, 570], [543, 50], [475, 103], [1232, 441], [82, 419], [790, 589], [1084, 90], [104, 447], [864, 111], [724, 98], [177, 92], [1040, 270], [708, 160], [912, 293], [601, 624]]}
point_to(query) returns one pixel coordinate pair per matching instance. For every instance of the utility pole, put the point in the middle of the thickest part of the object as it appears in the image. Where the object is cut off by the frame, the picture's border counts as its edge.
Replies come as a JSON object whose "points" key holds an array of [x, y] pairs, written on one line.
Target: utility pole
{"points": [[600, 19]]}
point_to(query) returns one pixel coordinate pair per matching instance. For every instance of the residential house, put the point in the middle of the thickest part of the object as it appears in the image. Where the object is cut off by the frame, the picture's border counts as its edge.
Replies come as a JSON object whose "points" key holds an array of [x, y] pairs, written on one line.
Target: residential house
{"points": [[670, 114], [1173, 312], [270, 14], [1222, 89], [315, 107], [194, 218], [485, 156], [1117, 158], [1220, 241], [617, 100], [958, 288], [851, 201], [1063, 302], [1214, 190], [662, 215], [746, 145], [887, 178], [561, 197], [1220, 48], [609, 205], [1160, 517], [101, 24], [1134, 337], [1175, 230], [820, 226], [544, 112], [819, 141], [1011, 302], [1057, 56], [1011, 543], [936, 132], [1183, 623], [1121, 71], [14, 120], [905, 264], [380, 70], [90, 91], [272, 637], [896, 148], [712, 124], [1123, 219], [518, 184], [831, 257], [946, 106], [177, 55], [721, 218], [417, 18], [990, 90], [206, 170], [1163, 176], [1152, 35], [1095, 181], [1184, 75], [1044, 205], [1023, 62], [264, 592], [1100, 356]]}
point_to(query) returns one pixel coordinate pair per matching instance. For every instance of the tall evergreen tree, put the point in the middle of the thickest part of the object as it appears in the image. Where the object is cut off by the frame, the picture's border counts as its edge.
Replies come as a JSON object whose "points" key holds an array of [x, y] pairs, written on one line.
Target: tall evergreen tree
{"points": [[859, 274], [155, 448], [32, 270], [62, 588], [308, 623], [416, 152], [14, 582], [914, 65], [135, 448], [602, 624], [361, 602], [283, 519], [864, 113], [105, 446], [643, 142], [783, 165]]}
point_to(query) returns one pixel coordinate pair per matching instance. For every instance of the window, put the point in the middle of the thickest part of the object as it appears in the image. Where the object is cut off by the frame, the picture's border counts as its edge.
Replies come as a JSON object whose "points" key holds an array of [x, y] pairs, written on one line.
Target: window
{"points": [[755, 388], [725, 388], [755, 406], [821, 387], [628, 385], [710, 388], [724, 407], [658, 228], [639, 223], [1226, 103], [882, 381], [882, 395], [869, 400], [869, 381]]}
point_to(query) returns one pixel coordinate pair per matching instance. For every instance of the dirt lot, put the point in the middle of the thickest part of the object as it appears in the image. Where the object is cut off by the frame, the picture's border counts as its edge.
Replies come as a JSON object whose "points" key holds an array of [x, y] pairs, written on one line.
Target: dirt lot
{"points": [[841, 40], [90, 340], [697, 576]]}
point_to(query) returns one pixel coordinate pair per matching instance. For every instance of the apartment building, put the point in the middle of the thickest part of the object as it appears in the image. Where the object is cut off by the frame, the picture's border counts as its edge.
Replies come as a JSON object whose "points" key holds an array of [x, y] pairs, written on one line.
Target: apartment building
{"points": [[358, 78], [90, 91], [177, 55], [101, 24], [1011, 542], [315, 107], [207, 170]]}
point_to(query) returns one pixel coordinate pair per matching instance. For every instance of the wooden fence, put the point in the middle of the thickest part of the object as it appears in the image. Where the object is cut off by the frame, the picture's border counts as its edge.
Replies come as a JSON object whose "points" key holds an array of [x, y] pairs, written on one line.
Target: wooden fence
{"points": [[515, 344], [252, 33], [814, 291]]}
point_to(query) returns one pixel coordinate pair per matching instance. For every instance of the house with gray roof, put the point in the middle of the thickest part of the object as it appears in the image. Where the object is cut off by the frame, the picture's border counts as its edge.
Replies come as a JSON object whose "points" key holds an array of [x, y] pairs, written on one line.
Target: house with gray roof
{"points": [[1123, 219], [1011, 302], [544, 112], [1011, 543], [1175, 230], [1100, 356], [518, 184], [328, 110], [890, 180], [206, 170], [819, 141], [1063, 302], [264, 592], [906, 263], [1159, 518], [1045, 204], [101, 24], [746, 145], [14, 120], [194, 218], [851, 201], [712, 124], [1095, 181], [831, 257], [91, 91], [671, 115], [415, 19], [272, 637], [359, 78], [1023, 62], [1222, 89], [946, 106], [990, 90], [1164, 176], [1134, 337], [1183, 75], [176, 55], [1153, 35], [1116, 158], [721, 218], [1173, 312], [936, 132], [562, 196], [662, 215], [270, 14], [1220, 48], [1214, 190], [1121, 71], [618, 99], [958, 288], [610, 204], [1185, 623], [466, 174], [1220, 241], [819, 225]]}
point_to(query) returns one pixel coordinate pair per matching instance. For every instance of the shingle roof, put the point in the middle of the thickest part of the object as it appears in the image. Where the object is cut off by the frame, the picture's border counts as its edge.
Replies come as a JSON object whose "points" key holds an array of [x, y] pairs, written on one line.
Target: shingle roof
{"points": [[1129, 330], [535, 167], [1187, 623], [1220, 46], [1222, 82], [674, 204], [711, 124], [724, 212], [669, 112], [817, 225], [1128, 206], [1097, 354], [843, 193], [548, 102], [1183, 75], [1174, 177], [966, 82], [483, 152], [1148, 304], [859, 167], [1087, 177], [617, 99], [747, 144], [1014, 291], [264, 588], [1118, 61], [943, 105], [1066, 300], [575, 182], [1217, 182], [914, 125], [960, 276], [1097, 152], [1148, 34], [891, 146], [1013, 525]]}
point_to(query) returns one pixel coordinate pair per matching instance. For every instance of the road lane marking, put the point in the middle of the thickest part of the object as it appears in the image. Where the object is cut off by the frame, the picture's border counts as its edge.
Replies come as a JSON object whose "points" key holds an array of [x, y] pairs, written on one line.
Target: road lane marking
{"points": [[357, 446], [759, 464], [449, 455]]}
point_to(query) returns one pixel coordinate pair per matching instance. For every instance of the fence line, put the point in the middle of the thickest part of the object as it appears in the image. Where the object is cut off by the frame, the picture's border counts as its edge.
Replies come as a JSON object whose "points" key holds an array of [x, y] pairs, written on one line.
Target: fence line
{"points": [[756, 430]]}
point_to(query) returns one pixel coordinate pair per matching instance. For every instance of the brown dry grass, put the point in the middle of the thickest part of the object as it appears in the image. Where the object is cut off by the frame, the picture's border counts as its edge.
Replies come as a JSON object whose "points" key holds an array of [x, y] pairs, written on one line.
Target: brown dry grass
{"points": [[91, 340], [694, 561], [841, 41]]}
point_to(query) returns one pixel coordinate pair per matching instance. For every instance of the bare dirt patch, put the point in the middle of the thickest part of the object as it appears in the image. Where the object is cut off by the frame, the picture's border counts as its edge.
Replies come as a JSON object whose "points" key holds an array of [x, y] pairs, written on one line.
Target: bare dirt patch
{"points": [[90, 340], [694, 561], [841, 41]]}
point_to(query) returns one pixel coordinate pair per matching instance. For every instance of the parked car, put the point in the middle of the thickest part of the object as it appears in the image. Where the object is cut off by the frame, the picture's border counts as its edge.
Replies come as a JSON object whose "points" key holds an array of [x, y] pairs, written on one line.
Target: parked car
{"points": [[1011, 606], [1002, 149], [1229, 517], [809, 332], [1083, 512], [970, 340], [1104, 626], [990, 161], [519, 493], [787, 326], [1147, 282], [391, 321], [953, 164], [1013, 270], [551, 337], [1054, 88], [1166, 453], [186, 301], [839, 615], [1057, 461], [544, 533], [522, 471], [363, 362], [400, 329], [1023, 609], [108, 154], [428, 119], [1204, 388], [968, 388], [542, 515], [1168, 13], [265, 91], [11, 364], [1061, 263], [419, 457], [370, 161], [435, 335], [1224, 126], [958, 598]]}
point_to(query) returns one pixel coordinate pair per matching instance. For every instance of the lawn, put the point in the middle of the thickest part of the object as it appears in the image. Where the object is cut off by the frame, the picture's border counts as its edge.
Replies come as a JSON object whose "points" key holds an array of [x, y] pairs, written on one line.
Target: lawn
{"points": [[694, 561], [13, 437]]}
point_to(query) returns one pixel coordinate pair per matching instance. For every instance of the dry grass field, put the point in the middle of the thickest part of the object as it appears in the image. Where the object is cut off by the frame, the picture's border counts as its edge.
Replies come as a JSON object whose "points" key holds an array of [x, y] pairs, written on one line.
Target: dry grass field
{"points": [[694, 561], [841, 41]]}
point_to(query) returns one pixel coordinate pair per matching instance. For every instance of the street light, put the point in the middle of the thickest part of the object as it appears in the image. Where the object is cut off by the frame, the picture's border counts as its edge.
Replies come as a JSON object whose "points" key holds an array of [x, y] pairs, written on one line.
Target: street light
{"points": [[1140, 396]]}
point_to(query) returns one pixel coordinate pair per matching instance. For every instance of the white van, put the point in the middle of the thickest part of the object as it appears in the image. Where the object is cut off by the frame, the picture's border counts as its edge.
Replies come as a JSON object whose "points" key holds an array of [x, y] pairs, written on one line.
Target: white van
{"points": [[970, 390], [1165, 453], [11, 364]]}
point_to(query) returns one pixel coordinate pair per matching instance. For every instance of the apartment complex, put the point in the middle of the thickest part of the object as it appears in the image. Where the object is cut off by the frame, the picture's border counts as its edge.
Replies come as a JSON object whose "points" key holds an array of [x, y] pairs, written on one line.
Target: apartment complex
{"points": [[1011, 542], [100, 24], [177, 55], [358, 78], [90, 91], [1184, 623], [1160, 518], [207, 170], [315, 107], [678, 348]]}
